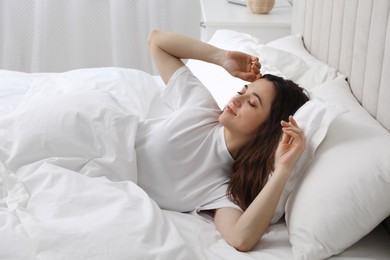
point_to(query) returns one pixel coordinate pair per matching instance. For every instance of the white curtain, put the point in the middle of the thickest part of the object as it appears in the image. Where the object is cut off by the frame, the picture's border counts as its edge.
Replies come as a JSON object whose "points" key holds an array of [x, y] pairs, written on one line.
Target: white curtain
{"points": [[60, 35]]}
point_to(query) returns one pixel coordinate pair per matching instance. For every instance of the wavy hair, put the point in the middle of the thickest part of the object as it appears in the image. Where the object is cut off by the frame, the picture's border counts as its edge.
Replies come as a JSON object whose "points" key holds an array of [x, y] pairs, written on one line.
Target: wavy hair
{"points": [[255, 161]]}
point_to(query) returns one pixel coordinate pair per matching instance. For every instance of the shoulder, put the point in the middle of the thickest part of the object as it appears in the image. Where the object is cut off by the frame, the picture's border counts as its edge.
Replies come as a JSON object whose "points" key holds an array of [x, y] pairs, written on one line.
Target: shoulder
{"points": [[184, 88]]}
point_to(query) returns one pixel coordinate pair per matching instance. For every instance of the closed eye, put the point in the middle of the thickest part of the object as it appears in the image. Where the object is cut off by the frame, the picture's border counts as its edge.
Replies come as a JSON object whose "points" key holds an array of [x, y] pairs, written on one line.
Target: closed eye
{"points": [[242, 92], [252, 105]]}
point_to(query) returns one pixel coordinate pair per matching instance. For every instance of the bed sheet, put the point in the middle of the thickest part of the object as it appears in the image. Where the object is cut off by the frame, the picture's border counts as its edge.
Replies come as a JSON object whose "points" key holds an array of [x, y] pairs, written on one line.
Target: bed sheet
{"points": [[57, 213]]}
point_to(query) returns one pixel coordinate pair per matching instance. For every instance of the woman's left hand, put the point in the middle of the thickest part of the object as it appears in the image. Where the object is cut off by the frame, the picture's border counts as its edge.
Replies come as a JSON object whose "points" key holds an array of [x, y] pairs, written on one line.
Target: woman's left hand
{"points": [[291, 146]]}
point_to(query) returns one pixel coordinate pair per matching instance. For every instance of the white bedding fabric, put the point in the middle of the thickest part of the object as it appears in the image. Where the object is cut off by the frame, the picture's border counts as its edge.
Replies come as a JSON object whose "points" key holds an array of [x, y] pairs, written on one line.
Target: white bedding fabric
{"points": [[48, 211], [65, 195]]}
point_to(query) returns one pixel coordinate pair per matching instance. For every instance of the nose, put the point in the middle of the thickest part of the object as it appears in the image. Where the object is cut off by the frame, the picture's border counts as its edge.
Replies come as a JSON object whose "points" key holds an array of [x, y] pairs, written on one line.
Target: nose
{"points": [[237, 101]]}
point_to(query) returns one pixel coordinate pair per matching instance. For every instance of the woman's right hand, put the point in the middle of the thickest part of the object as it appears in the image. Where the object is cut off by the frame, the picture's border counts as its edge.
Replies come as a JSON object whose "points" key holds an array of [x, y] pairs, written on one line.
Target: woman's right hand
{"points": [[241, 65]]}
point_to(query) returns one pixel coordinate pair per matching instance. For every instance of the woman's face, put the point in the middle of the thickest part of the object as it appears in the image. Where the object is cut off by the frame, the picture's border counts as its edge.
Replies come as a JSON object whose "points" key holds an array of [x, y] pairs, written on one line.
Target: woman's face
{"points": [[247, 110]]}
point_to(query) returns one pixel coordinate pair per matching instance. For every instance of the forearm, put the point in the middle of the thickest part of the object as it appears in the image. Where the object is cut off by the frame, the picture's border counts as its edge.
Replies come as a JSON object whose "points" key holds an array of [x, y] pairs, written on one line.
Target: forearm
{"points": [[168, 49], [253, 223], [184, 47], [255, 220]]}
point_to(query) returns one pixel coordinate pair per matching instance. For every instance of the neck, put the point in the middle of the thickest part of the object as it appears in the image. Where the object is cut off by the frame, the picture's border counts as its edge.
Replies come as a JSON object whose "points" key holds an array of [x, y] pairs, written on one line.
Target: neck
{"points": [[233, 142]]}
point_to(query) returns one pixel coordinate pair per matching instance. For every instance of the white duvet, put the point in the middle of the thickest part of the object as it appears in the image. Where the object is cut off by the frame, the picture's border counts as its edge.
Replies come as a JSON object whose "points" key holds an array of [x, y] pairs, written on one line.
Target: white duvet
{"points": [[68, 174]]}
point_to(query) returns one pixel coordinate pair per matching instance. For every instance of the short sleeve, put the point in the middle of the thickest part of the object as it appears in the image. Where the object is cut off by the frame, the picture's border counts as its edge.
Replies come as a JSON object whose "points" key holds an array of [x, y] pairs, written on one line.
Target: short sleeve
{"points": [[223, 202], [185, 89]]}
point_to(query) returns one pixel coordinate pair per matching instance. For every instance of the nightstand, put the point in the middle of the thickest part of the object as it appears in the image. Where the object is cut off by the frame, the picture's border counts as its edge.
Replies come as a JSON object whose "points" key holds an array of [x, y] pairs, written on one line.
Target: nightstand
{"points": [[220, 14]]}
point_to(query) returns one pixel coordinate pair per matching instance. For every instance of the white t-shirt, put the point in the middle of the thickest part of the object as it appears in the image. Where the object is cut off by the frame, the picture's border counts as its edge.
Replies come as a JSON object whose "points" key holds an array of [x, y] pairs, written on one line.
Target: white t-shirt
{"points": [[182, 160]]}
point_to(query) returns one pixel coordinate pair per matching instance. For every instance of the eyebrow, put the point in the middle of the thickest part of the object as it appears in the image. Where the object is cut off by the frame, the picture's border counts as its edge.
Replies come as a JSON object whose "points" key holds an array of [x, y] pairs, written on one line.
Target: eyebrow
{"points": [[255, 94]]}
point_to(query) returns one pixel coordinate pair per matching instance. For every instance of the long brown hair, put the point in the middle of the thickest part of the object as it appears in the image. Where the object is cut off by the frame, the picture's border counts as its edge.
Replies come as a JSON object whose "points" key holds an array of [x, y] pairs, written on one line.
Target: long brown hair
{"points": [[255, 161]]}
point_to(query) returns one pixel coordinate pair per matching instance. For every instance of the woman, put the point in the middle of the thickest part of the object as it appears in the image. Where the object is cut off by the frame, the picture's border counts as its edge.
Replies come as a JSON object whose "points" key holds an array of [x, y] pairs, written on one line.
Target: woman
{"points": [[204, 159]]}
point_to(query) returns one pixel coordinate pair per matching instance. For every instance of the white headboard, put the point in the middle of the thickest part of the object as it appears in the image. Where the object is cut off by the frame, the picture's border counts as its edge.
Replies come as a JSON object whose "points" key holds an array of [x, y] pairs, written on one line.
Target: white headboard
{"points": [[354, 37]]}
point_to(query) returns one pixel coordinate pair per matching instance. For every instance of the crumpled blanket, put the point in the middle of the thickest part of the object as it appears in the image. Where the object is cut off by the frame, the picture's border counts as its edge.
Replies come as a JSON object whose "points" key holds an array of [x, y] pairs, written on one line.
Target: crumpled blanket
{"points": [[68, 172]]}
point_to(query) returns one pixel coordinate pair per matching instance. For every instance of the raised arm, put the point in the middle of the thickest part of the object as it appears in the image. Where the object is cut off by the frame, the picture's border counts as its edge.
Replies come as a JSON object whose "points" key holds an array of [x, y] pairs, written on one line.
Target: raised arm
{"points": [[168, 49], [243, 230]]}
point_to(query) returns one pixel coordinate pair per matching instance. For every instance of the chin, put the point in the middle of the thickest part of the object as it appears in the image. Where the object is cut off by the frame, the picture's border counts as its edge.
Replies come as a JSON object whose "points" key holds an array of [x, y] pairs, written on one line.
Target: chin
{"points": [[224, 119], [221, 118]]}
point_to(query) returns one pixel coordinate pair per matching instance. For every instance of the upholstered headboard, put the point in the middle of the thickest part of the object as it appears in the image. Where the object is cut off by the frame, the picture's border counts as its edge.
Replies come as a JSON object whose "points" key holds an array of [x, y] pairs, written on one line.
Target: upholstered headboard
{"points": [[354, 37]]}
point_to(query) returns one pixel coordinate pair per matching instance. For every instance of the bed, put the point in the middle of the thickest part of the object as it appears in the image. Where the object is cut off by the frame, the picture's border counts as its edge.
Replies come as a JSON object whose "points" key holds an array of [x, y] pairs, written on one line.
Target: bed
{"points": [[77, 198]]}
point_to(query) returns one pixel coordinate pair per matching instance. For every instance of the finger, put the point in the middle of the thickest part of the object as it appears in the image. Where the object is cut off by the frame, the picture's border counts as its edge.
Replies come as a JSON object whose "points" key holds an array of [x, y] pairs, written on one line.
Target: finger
{"points": [[255, 65], [295, 134], [293, 128], [254, 59], [285, 124], [254, 77], [291, 125], [294, 138], [255, 69], [292, 121], [285, 138]]}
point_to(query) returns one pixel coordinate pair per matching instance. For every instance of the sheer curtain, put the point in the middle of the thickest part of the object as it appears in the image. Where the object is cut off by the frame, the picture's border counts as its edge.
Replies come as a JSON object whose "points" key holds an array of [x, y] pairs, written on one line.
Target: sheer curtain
{"points": [[60, 35]]}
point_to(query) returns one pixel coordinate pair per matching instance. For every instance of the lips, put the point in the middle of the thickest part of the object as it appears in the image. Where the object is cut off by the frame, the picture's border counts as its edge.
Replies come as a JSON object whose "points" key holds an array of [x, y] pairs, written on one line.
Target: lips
{"points": [[230, 110]]}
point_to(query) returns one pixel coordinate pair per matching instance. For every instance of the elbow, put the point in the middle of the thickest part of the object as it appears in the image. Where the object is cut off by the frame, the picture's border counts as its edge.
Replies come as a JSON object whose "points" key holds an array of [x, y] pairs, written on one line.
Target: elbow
{"points": [[152, 36], [243, 245], [244, 248]]}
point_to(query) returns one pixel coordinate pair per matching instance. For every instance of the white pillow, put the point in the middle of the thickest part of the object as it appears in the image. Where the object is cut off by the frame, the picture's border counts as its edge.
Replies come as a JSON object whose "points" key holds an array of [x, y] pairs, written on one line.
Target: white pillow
{"points": [[345, 191], [319, 71], [314, 118], [294, 44], [301, 67]]}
